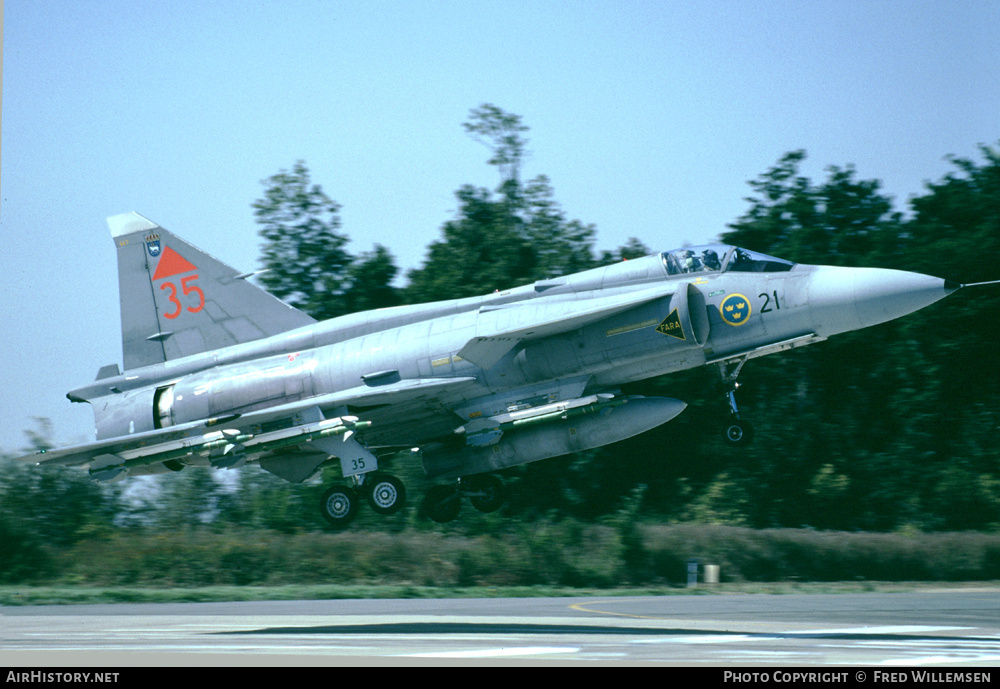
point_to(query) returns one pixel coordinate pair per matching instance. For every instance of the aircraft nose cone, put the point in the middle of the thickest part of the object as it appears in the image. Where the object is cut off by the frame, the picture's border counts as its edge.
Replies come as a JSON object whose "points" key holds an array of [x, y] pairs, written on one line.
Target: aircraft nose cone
{"points": [[845, 299]]}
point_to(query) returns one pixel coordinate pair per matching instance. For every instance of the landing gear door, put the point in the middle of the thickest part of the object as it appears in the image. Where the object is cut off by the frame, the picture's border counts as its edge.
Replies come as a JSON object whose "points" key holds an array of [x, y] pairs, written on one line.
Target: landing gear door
{"points": [[354, 457]]}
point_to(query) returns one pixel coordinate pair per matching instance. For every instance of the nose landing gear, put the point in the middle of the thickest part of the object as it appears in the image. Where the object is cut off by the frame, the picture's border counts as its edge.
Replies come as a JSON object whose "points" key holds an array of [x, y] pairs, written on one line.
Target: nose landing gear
{"points": [[736, 431]]}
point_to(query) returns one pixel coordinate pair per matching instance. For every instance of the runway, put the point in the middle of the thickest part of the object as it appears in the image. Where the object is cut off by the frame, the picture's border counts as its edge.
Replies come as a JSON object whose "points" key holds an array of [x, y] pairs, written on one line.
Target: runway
{"points": [[917, 629]]}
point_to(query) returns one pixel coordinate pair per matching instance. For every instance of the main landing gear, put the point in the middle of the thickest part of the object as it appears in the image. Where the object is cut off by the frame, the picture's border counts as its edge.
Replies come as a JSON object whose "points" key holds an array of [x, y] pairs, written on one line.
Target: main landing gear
{"points": [[736, 431], [385, 494], [443, 503]]}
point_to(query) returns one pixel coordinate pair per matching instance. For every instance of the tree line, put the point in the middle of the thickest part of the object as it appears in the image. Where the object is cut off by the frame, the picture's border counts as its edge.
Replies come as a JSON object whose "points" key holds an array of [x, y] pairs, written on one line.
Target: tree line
{"points": [[886, 429], [878, 429], [503, 237]]}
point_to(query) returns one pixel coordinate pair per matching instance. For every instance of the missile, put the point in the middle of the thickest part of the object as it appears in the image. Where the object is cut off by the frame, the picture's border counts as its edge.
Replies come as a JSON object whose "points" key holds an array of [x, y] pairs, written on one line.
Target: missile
{"points": [[298, 434], [488, 431]]}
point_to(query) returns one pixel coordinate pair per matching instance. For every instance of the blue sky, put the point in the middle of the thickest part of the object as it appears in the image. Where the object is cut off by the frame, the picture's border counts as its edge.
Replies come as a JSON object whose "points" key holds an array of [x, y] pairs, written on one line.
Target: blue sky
{"points": [[649, 118]]}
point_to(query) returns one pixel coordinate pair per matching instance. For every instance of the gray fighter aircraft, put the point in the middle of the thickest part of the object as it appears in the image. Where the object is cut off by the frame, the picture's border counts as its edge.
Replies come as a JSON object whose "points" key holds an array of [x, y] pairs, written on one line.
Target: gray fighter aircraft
{"points": [[219, 373]]}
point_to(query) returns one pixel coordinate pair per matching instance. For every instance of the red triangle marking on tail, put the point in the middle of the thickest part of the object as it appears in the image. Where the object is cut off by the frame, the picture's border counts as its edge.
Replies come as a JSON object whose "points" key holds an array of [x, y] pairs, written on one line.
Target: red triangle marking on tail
{"points": [[172, 263]]}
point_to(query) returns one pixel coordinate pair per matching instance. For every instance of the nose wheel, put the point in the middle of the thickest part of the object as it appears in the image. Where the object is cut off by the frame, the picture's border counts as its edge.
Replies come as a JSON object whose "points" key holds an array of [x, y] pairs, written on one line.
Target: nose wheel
{"points": [[738, 432]]}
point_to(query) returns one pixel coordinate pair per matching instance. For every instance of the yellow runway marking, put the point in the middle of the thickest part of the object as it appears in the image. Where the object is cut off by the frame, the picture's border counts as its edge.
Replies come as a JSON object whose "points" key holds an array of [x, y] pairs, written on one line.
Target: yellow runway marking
{"points": [[580, 607]]}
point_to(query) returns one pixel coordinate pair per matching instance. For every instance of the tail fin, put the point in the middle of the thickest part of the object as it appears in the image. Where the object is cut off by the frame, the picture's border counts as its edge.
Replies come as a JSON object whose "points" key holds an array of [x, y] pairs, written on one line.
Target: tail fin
{"points": [[176, 300]]}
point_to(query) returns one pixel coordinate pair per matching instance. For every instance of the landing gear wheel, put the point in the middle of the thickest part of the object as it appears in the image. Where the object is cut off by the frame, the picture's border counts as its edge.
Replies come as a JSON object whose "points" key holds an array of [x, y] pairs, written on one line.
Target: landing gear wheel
{"points": [[486, 492], [442, 504], [738, 432], [386, 493], [339, 506]]}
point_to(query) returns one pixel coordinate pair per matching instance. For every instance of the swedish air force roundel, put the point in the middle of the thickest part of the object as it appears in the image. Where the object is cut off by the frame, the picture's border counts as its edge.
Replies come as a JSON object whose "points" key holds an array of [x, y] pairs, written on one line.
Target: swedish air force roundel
{"points": [[735, 309]]}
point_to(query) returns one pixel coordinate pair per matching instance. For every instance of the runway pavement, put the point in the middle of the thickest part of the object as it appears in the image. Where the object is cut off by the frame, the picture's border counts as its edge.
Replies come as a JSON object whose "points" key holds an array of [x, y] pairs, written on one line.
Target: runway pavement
{"points": [[921, 628]]}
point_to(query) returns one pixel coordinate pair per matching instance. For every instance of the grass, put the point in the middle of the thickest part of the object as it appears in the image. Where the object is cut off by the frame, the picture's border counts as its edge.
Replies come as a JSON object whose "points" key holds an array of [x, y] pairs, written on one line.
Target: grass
{"points": [[78, 595], [545, 558]]}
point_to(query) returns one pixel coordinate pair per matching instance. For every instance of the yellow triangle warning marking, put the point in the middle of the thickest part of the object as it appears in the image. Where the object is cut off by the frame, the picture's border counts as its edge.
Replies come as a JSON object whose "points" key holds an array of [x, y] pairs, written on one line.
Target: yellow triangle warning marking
{"points": [[671, 325]]}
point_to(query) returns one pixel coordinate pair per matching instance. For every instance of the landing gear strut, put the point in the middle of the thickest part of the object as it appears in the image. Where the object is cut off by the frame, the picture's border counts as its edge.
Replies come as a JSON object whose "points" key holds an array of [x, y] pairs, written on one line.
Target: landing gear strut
{"points": [[736, 431], [485, 491], [443, 503]]}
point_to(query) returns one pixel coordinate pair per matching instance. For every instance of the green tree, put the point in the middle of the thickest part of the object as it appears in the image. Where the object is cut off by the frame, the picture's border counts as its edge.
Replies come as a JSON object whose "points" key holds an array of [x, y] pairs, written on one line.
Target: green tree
{"points": [[559, 246], [828, 410], [260, 500], [370, 277], [47, 507], [188, 500], [955, 230], [40, 438], [479, 252], [501, 132], [633, 248], [503, 238], [955, 233], [303, 253], [873, 429], [844, 221]]}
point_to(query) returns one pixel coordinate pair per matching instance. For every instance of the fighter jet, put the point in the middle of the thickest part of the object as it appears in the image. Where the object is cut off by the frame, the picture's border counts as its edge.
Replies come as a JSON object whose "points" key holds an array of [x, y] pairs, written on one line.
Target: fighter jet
{"points": [[219, 373]]}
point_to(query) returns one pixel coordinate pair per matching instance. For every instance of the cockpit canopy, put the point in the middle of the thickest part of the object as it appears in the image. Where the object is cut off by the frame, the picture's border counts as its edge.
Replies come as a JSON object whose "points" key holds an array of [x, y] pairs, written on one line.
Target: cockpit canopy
{"points": [[721, 257]]}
